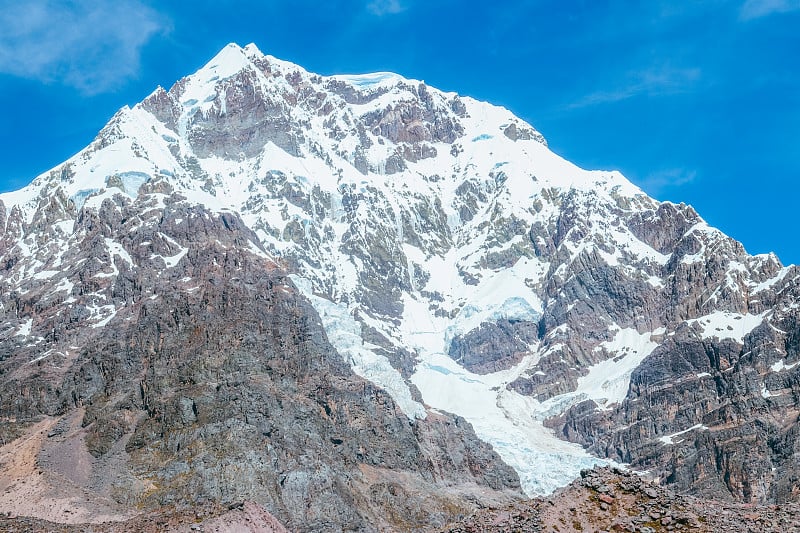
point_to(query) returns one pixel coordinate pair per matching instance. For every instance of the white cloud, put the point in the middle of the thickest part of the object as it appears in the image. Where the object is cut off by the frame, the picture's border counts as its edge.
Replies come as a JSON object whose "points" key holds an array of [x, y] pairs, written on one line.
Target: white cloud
{"points": [[650, 82], [753, 9], [92, 45], [386, 7]]}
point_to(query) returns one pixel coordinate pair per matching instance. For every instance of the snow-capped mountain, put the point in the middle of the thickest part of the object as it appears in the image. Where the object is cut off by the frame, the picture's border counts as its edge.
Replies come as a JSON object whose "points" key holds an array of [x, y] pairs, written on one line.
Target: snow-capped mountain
{"points": [[454, 261]]}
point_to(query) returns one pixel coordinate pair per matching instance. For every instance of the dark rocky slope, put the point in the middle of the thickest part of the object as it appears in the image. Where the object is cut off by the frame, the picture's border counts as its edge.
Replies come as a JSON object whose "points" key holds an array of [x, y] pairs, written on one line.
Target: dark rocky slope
{"points": [[214, 382]]}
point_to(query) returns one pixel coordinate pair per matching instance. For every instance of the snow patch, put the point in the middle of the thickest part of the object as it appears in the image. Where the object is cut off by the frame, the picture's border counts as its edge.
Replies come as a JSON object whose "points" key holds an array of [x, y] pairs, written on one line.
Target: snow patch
{"points": [[115, 249], [172, 260], [781, 366], [772, 281], [727, 325], [25, 329], [104, 312], [607, 382], [370, 81], [669, 440]]}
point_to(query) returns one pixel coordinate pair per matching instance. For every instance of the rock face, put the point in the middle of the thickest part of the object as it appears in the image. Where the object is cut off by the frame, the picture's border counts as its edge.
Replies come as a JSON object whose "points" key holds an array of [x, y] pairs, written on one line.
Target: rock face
{"points": [[606, 499], [728, 427], [494, 346], [361, 302]]}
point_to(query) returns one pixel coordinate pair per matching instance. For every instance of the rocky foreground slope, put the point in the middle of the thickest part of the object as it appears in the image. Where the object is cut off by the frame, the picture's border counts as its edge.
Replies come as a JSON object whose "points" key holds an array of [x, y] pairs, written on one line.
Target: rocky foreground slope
{"points": [[606, 499], [602, 499], [360, 302]]}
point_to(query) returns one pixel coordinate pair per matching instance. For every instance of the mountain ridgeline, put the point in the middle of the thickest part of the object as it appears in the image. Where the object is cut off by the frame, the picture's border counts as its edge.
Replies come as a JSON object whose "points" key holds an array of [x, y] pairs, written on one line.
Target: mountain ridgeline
{"points": [[362, 303]]}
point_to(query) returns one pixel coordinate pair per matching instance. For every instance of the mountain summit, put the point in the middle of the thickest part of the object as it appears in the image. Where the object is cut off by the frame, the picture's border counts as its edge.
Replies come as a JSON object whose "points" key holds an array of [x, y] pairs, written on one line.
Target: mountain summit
{"points": [[358, 300]]}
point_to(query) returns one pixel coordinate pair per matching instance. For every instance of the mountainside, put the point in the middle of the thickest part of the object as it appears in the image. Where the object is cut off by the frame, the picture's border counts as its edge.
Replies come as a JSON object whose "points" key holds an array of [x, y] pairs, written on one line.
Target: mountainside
{"points": [[359, 300]]}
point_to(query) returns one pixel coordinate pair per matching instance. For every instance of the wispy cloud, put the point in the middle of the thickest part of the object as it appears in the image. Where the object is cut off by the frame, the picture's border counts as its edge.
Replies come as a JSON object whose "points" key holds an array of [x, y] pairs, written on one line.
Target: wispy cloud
{"points": [[91, 45], [651, 82], [753, 9], [657, 182], [386, 7]]}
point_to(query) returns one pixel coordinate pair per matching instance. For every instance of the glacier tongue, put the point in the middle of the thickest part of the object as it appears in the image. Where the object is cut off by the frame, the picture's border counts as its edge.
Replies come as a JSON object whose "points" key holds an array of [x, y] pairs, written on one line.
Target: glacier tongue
{"points": [[510, 422], [503, 418]]}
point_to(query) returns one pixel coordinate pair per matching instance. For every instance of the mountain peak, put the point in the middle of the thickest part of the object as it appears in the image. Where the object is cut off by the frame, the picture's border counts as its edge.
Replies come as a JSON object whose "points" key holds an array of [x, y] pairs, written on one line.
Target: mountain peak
{"points": [[230, 60], [252, 49]]}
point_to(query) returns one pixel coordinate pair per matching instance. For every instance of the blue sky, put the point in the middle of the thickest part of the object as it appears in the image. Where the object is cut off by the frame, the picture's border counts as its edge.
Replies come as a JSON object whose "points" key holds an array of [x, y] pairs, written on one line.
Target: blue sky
{"points": [[693, 101]]}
